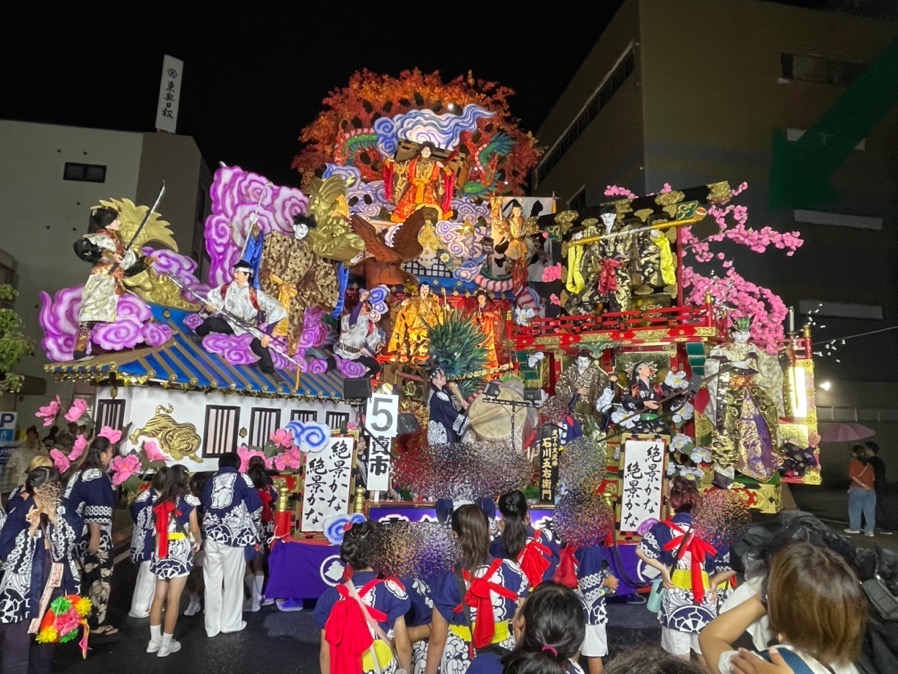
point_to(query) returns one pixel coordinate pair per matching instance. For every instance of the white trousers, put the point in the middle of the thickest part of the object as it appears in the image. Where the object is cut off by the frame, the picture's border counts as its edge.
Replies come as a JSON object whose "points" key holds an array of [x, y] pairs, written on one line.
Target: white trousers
{"points": [[223, 569], [144, 589]]}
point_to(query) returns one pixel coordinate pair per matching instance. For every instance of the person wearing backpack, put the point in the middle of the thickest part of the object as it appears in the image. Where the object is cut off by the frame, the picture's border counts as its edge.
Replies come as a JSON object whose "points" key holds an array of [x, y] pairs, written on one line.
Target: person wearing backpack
{"points": [[362, 620]]}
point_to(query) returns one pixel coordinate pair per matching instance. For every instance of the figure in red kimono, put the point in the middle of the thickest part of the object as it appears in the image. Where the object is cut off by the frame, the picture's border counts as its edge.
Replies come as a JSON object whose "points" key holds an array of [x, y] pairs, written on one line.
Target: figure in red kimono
{"points": [[419, 181]]}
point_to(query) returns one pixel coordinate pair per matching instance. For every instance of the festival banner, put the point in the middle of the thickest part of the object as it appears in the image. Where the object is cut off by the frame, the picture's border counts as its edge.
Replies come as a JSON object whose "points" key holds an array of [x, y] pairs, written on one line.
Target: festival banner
{"points": [[169, 94], [641, 480], [327, 483], [549, 443]]}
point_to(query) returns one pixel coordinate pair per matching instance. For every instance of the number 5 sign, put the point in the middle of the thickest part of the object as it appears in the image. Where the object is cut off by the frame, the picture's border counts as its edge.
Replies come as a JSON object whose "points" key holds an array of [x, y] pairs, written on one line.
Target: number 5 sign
{"points": [[382, 415]]}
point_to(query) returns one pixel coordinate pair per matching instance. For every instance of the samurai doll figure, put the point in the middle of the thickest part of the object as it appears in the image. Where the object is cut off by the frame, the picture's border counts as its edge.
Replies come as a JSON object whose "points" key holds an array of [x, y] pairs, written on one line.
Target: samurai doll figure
{"points": [[105, 249]]}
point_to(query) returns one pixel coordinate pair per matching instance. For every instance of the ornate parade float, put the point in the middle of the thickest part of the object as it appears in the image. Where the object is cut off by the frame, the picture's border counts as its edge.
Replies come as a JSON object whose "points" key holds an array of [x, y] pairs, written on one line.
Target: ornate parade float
{"points": [[455, 338]]}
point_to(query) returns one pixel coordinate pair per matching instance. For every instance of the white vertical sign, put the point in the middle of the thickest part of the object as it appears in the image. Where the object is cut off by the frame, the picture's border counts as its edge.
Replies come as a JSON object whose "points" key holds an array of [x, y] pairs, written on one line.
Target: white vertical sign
{"points": [[641, 481], [326, 488], [382, 424], [169, 94]]}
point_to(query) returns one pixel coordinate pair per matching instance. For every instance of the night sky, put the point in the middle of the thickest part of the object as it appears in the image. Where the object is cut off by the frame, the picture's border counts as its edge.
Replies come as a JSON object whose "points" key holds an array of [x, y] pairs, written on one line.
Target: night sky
{"points": [[254, 76]]}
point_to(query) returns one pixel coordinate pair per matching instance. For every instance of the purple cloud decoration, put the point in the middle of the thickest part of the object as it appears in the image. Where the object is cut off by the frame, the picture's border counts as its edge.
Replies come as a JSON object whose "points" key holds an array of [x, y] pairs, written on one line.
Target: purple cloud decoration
{"points": [[59, 321], [236, 196], [233, 348], [350, 368], [124, 333], [316, 366], [192, 321], [155, 334], [314, 330]]}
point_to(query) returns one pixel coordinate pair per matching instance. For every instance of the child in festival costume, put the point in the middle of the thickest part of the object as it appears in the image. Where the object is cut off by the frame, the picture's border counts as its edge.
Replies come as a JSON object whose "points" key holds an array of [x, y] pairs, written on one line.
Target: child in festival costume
{"points": [[142, 543], [195, 577], [40, 532], [493, 588], [257, 565], [549, 628], [690, 567], [177, 539], [363, 617], [535, 551]]}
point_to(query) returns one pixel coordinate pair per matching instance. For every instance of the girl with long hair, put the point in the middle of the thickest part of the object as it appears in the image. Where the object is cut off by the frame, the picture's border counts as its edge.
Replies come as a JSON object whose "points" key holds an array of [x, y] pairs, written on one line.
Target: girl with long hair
{"points": [[177, 539], [486, 588], [91, 493], [535, 551], [257, 565]]}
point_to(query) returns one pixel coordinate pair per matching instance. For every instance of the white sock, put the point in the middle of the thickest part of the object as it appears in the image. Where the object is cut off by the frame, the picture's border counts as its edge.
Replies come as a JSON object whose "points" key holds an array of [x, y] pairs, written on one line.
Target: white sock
{"points": [[259, 581], [155, 633]]}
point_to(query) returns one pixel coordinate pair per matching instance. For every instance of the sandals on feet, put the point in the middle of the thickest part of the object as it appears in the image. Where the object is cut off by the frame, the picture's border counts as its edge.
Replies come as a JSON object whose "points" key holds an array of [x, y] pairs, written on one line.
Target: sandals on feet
{"points": [[105, 631]]}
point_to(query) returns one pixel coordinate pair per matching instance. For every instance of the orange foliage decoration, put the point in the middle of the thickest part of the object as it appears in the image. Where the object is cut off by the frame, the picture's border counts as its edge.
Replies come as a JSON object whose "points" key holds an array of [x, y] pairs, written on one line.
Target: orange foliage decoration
{"points": [[352, 110]]}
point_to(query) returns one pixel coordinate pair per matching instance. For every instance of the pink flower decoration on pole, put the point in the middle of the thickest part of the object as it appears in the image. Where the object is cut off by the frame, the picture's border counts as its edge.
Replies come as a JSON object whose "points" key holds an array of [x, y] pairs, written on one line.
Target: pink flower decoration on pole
{"points": [[48, 412], [78, 448], [123, 467], [60, 460], [77, 410], [151, 450], [245, 454], [110, 434]]}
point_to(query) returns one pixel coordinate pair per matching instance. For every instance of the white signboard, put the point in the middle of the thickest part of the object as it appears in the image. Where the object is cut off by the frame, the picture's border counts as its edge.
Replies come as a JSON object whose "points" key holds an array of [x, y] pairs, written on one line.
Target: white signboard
{"points": [[382, 415], [7, 436], [169, 94], [379, 461], [326, 489], [641, 481]]}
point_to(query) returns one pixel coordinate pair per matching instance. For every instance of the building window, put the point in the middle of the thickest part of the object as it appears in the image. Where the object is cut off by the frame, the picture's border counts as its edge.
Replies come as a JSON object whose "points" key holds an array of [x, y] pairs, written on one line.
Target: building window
{"points": [[263, 421], [336, 420], [609, 85], [111, 413], [820, 69], [88, 173], [303, 415], [220, 433]]}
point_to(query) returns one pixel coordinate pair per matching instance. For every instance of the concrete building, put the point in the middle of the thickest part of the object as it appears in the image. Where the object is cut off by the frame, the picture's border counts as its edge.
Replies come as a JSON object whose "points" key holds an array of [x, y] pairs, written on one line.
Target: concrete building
{"points": [[689, 92], [51, 176]]}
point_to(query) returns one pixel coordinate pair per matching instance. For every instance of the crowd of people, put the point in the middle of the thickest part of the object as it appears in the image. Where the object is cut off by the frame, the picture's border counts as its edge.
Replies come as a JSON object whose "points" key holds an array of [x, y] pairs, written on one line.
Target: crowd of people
{"points": [[516, 598]]}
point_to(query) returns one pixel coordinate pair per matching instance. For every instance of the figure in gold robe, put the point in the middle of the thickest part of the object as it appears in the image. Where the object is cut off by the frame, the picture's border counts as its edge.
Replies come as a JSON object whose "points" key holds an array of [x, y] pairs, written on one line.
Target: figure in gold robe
{"points": [[409, 340], [586, 388], [488, 322]]}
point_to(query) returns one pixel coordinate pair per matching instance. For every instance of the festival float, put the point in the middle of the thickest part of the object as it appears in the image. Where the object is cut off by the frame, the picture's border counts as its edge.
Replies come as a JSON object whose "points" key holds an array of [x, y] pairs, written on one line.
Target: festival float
{"points": [[430, 332]]}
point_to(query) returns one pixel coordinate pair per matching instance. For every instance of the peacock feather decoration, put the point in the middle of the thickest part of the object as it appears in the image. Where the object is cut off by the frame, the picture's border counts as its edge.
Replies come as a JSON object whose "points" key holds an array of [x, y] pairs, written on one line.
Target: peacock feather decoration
{"points": [[456, 347]]}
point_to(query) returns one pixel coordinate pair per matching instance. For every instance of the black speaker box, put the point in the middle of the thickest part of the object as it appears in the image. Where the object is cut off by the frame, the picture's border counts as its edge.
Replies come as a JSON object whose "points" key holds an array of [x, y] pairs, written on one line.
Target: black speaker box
{"points": [[356, 388]]}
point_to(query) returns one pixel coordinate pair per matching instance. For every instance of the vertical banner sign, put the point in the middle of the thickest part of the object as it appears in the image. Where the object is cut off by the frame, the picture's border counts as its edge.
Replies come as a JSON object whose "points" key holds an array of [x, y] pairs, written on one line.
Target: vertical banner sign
{"points": [[382, 424], [7, 436], [169, 94], [549, 442], [641, 481], [327, 483]]}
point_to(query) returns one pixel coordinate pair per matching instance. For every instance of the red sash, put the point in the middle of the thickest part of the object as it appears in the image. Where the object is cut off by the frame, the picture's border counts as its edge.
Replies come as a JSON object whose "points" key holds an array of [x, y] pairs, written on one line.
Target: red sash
{"points": [[566, 571], [266, 497], [608, 275], [687, 540], [346, 630], [163, 512], [479, 597], [533, 560]]}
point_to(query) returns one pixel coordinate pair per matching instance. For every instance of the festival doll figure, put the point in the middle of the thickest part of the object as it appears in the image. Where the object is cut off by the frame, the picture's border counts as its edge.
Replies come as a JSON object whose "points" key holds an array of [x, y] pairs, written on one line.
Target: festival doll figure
{"points": [[586, 388], [690, 567], [105, 249], [617, 250], [744, 402], [655, 264], [348, 644], [487, 589], [40, 531], [641, 408], [361, 338], [409, 340], [489, 323], [419, 181]]}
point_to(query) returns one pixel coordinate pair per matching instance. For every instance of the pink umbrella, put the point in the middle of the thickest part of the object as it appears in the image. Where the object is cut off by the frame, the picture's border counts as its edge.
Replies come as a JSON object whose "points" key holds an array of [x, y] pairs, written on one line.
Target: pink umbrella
{"points": [[845, 432]]}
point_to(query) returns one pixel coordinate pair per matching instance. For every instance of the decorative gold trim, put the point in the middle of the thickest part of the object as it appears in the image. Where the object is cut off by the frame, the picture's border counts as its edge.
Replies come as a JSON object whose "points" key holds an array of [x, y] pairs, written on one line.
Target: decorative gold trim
{"points": [[668, 198], [719, 193]]}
